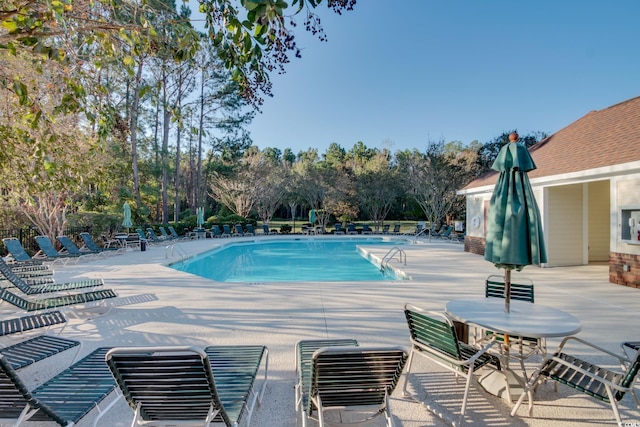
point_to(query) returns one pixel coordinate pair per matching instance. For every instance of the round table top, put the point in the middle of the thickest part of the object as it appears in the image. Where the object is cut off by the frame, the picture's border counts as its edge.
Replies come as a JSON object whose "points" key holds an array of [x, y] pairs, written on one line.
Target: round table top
{"points": [[523, 319]]}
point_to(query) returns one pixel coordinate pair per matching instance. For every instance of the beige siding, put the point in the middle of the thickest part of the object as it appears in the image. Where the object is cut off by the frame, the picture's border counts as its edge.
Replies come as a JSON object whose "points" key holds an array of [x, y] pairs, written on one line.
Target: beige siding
{"points": [[565, 225], [599, 221]]}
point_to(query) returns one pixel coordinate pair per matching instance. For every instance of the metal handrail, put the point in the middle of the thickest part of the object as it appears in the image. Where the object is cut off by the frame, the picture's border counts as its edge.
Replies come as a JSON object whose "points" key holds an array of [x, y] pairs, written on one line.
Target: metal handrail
{"points": [[170, 250], [402, 257]]}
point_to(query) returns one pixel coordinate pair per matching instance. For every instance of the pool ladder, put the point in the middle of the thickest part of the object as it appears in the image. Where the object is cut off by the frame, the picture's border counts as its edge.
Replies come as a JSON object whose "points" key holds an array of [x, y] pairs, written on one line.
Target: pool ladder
{"points": [[171, 249], [402, 258]]}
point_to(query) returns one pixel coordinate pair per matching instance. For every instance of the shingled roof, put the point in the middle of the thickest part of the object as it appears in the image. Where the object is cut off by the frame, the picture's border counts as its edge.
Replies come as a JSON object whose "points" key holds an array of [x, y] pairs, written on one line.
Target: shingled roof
{"points": [[601, 138]]}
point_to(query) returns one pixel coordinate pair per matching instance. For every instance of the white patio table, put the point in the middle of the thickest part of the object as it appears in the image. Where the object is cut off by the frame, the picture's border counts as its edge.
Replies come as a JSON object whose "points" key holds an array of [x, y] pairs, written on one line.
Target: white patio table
{"points": [[524, 319]]}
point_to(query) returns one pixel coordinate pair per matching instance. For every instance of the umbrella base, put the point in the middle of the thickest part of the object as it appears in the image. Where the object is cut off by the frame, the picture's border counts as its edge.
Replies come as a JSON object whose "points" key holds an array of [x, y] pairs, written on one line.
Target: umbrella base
{"points": [[505, 384]]}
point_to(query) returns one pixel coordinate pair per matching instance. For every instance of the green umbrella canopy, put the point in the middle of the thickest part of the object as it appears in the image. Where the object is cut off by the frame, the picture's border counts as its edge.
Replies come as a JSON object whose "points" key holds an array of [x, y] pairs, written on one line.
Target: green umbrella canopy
{"points": [[126, 209], [200, 217], [312, 216], [514, 228]]}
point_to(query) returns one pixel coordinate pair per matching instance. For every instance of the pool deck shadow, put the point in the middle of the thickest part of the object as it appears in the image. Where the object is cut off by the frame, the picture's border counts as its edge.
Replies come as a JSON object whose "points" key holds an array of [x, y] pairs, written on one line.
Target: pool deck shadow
{"points": [[162, 306]]}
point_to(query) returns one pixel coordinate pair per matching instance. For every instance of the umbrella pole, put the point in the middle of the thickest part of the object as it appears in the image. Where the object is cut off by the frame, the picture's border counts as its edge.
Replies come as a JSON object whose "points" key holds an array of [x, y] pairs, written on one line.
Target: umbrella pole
{"points": [[507, 290]]}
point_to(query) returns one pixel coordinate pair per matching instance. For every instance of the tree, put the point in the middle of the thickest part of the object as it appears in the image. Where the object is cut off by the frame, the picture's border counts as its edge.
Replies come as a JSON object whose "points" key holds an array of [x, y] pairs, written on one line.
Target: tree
{"points": [[433, 177], [378, 186]]}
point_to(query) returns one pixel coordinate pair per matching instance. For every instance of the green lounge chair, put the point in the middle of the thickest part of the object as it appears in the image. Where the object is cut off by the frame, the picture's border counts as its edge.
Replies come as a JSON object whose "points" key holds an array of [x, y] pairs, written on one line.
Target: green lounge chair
{"points": [[153, 237], [180, 385], [250, 230], [49, 253], [226, 230], [69, 247], [164, 235], [267, 231], [18, 325], [18, 253], [46, 287], [38, 348], [239, 231], [91, 246], [338, 228], [339, 375], [433, 336], [84, 385], [55, 302], [175, 234]]}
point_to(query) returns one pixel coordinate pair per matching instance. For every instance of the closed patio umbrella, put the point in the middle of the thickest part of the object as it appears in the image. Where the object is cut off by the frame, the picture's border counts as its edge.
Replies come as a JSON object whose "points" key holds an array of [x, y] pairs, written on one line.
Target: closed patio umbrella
{"points": [[127, 216], [514, 229], [200, 219], [312, 216]]}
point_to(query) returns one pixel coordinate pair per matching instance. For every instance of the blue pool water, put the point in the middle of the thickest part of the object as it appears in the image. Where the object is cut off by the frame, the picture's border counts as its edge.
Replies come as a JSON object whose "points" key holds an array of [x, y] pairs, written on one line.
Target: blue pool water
{"points": [[299, 260]]}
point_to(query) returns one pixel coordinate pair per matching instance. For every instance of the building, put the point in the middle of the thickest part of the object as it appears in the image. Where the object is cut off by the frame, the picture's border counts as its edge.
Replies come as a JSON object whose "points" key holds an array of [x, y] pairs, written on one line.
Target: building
{"points": [[587, 185]]}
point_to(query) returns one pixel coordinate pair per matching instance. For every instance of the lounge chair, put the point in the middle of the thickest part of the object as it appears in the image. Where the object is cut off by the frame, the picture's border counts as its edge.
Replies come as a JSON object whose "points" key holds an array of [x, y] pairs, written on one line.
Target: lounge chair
{"points": [[267, 231], [602, 383], [65, 399], [186, 385], [250, 230], [366, 229], [337, 228], [69, 247], [175, 234], [239, 231], [49, 253], [35, 349], [91, 246], [153, 237], [339, 375], [18, 253], [55, 302], [433, 336], [46, 287], [385, 229], [163, 233], [351, 229], [226, 230], [32, 322], [396, 229]]}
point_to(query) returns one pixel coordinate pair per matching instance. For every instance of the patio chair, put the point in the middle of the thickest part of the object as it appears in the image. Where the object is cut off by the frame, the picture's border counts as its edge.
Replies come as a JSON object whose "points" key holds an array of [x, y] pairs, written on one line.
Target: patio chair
{"points": [[337, 228], [266, 230], [49, 253], [91, 246], [339, 375], [226, 230], [18, 252], [175, 234], [433, 335], [385, 229], [524, 291], [396, 229], [45, 287], [604, 384], [186, 385], [65, 399], [366, 229], [250, 230]]}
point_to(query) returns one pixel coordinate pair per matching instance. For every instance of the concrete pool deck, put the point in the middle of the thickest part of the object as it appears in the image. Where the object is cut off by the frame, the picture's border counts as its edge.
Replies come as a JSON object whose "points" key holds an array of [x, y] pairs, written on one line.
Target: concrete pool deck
{"points": [[158, 305]]}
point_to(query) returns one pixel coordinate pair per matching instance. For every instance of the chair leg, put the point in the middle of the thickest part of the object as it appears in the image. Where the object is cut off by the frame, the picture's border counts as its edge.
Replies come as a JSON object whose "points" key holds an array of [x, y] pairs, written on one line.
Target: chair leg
{"points": [[406, 374], [466, 396]]}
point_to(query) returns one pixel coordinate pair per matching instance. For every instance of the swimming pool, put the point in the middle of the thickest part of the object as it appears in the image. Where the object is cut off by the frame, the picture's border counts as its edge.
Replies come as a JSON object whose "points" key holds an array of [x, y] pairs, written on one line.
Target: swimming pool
{"points": [[291, 260]]}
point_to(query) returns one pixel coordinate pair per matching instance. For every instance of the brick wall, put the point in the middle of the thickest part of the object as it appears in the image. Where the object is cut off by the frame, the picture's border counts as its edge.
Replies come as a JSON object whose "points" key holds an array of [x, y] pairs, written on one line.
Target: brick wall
{"points": [[474, 245], [617, 273]]}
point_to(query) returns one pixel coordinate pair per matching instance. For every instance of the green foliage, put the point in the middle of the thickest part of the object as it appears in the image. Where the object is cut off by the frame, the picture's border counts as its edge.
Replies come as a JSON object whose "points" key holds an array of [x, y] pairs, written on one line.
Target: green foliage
{"points": [[285, 228]]}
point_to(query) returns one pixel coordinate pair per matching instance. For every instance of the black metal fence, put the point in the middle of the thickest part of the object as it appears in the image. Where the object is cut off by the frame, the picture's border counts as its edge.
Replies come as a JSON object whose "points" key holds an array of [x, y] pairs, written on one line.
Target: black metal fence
{"points": [[27, 237]]}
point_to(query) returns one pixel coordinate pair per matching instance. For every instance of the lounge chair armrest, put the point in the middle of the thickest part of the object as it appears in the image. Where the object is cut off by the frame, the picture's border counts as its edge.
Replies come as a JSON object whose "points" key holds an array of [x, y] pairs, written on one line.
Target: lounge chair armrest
{"points": [[600, 379]]}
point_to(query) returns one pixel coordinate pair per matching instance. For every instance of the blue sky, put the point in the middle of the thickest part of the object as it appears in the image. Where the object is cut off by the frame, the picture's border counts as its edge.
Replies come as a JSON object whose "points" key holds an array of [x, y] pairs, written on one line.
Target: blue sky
{"points": [[398, 74]]}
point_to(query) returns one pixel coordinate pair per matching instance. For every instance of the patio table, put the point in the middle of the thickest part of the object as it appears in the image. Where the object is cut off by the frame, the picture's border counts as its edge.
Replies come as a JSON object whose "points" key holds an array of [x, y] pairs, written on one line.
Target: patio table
{"points": [[524, 319]]}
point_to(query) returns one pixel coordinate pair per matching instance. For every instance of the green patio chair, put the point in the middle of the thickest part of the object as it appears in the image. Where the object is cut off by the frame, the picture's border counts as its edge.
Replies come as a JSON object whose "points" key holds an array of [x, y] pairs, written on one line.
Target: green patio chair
{"points": [[339, 375], [91, 246], [433, 335], [599, 382], [38, 304], [186, 385], [18, 253], [49, 253]]}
